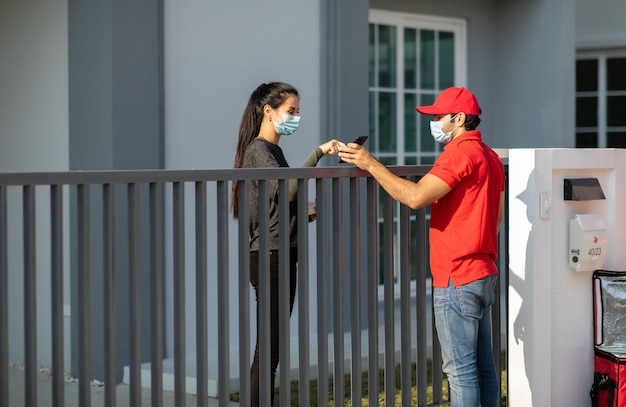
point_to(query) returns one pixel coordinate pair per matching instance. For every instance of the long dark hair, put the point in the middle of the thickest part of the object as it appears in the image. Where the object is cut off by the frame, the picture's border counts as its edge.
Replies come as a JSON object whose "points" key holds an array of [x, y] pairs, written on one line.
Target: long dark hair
{"points": [[273, 94]]}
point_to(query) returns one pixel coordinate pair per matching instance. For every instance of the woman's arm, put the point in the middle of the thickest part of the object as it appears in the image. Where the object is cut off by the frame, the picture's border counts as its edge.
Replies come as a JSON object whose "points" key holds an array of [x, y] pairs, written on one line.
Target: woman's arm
{"points": [[330, 147], [311, 161]]}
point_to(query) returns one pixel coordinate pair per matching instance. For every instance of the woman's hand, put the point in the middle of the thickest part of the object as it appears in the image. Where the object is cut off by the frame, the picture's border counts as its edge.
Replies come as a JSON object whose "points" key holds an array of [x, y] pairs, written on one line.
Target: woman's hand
{"points": [[331, 147]]}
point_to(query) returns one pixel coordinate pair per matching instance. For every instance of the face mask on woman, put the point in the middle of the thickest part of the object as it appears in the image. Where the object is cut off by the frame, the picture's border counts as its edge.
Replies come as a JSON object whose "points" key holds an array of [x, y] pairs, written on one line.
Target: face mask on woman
{"points": [[288, 126], [436, 129]]}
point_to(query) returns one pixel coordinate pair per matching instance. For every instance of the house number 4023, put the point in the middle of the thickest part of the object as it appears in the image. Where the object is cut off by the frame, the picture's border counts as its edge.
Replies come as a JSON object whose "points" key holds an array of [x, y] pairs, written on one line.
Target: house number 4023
{"points": [[595, 251]]}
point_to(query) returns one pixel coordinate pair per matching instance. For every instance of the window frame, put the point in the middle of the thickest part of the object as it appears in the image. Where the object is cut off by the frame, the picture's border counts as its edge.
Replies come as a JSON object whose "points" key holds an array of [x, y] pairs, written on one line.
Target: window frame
{"points": [[420, 22], [601, 56]]}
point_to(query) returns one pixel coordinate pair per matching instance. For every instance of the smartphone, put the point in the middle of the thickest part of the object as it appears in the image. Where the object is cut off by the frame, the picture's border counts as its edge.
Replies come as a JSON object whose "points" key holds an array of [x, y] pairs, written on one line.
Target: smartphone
{"points": [[359, 140]]}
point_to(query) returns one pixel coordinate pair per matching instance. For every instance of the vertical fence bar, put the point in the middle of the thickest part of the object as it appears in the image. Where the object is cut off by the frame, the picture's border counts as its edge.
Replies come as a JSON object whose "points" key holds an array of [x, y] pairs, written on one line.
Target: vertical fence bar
{"points": [[338, 287], [388, 270], [157, 246], [156, 292], [437, 366], [355, 290], [30, 297], [496, 329], [498, 306], [134, 291], [179, 294], [504, 269], [421, 363], [243, 244], [108, 258], [56, 280], [84, 304], [284, 293], [404, 275], [372, 290], [223, 267], [323, 258], [304, 390], [4, 301], [201, 294], [263, 320]]}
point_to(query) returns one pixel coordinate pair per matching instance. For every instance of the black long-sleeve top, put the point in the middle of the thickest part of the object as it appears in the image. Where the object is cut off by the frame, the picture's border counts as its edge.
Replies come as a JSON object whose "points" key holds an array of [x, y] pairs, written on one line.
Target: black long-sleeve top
{"points": [[262, 154]]}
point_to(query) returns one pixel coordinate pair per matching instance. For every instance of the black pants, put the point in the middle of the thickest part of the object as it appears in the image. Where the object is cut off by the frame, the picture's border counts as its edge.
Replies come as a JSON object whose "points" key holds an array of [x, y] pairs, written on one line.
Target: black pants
{"points": [[274, 295]]}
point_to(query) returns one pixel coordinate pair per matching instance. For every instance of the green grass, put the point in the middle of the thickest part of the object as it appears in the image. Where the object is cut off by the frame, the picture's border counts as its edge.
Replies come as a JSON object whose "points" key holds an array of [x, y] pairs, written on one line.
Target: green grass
{"points": [[381, 390]]}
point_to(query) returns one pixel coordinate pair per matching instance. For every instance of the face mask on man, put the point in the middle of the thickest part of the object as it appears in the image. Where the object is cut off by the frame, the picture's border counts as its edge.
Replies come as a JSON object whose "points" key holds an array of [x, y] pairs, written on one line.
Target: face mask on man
{"points": [[288, 126], [436, 129]]}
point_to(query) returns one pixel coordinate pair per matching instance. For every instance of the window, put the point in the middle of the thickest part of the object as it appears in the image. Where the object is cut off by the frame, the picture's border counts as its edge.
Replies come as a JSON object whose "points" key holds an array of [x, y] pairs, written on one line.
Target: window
{"points": [[601, 100], [412, 58]]}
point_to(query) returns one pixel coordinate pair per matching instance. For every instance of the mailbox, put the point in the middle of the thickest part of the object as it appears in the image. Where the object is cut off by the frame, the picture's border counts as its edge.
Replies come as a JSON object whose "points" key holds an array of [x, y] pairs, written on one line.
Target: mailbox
{"points": [[587, 242]]}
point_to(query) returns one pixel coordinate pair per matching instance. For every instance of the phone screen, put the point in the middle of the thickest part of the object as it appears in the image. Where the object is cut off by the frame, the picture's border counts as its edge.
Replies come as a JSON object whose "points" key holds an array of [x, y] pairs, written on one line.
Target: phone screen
{"points": [[360, 140]]}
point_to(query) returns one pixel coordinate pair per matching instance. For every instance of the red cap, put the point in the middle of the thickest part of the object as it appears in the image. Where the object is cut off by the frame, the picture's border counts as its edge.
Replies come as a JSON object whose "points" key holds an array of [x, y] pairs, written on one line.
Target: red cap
{"points": [[453, 100]]}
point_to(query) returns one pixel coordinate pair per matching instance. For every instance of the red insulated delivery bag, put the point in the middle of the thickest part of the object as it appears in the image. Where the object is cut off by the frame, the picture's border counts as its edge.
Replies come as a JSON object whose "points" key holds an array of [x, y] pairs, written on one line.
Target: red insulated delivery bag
{"points": [[609, 321]]}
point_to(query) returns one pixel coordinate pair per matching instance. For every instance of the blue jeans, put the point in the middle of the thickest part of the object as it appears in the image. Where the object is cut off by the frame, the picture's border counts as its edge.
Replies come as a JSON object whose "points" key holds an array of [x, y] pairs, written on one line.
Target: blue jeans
{"points": [[463, 322]]}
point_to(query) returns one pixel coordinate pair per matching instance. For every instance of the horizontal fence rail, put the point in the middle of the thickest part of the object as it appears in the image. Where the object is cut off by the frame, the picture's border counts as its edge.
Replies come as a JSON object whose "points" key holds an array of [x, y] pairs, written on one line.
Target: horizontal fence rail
{"points": [[123, 279]]}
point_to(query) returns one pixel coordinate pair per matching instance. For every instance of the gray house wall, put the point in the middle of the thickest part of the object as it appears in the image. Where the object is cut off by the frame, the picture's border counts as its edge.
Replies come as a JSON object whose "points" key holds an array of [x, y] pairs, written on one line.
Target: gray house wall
{"points": [[115, 85], [34, 85], [115, 122], [533, 64], [600, 24]]}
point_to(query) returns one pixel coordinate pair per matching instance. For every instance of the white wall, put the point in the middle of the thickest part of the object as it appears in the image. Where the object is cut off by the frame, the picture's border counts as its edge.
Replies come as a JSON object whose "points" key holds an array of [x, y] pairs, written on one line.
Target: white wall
{"points": [[550, 315]]}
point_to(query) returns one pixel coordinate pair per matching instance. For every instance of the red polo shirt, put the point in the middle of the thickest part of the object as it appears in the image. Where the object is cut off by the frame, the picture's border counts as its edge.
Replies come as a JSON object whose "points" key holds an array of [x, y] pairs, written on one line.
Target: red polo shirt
{"points": [[464, 223]]}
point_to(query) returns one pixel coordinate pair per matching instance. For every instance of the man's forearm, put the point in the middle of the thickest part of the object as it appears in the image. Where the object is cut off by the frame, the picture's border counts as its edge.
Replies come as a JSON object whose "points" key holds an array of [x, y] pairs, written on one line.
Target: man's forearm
{"points": [[399, 188]]}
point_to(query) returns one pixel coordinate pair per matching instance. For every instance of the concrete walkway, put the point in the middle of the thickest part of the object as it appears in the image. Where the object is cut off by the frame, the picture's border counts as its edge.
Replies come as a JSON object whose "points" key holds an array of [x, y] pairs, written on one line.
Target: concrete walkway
{"points": [[44, 393]]}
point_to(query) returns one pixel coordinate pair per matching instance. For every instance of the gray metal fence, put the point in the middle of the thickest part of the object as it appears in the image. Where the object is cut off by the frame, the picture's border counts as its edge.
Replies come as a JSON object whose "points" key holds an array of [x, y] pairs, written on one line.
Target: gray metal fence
{"points": [[370, 257]]}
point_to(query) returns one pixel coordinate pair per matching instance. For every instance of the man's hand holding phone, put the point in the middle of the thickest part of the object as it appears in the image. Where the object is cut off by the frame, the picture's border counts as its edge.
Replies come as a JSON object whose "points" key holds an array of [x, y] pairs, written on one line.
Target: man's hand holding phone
{"points": [[359, 140]]}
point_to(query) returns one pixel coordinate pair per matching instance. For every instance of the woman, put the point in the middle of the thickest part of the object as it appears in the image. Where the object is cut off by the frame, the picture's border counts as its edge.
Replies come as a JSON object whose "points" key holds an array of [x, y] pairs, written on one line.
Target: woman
{"points": [[272, 111]]}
